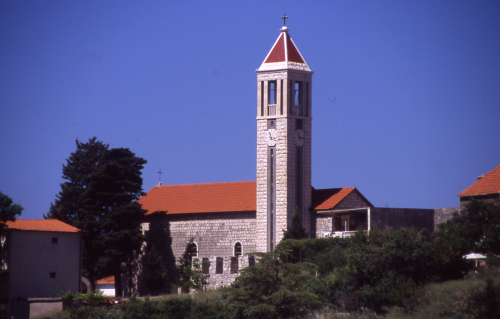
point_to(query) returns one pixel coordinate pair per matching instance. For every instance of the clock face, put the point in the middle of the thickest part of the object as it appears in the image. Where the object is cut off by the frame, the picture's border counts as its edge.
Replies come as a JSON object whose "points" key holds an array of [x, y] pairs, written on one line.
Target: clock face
{"points": [[271, 137], [299, 137]]}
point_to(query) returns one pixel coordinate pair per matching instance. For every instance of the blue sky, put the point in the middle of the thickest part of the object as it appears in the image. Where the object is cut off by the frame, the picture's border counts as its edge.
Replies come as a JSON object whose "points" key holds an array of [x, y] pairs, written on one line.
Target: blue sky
{"points": [[406, 94]]}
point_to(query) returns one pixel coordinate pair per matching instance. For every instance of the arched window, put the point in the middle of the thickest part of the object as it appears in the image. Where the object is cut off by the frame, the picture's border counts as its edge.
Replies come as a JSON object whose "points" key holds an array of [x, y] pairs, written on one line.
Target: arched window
{"points": [[238, 249]]}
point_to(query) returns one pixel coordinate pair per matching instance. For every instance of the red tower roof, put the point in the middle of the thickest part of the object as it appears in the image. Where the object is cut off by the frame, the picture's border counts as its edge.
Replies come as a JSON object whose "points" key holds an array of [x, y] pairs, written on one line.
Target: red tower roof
{"points": [[284, 55]]}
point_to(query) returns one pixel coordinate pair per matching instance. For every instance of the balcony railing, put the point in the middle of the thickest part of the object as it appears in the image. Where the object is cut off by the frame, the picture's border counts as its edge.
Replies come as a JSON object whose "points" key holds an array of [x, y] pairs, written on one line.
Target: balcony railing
{"points": [[271, 109]]}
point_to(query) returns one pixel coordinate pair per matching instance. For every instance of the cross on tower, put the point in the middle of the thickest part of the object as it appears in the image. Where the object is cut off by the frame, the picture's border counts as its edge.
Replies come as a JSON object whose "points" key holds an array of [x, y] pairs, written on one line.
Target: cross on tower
{"points": [[284, 17]]}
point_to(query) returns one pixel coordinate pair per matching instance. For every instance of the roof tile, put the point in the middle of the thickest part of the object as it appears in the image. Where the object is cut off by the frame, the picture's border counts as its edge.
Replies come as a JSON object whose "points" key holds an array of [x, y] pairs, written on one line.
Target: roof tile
{"points": [[201, 198], [488, 184], [41, 225]]}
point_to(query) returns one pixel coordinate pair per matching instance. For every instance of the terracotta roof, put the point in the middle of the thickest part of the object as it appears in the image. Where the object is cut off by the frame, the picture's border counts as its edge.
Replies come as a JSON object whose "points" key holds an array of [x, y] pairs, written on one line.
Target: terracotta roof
{"points": [[284, 55], [107, 280], [41, 225], [488, 184], [201, 198]]}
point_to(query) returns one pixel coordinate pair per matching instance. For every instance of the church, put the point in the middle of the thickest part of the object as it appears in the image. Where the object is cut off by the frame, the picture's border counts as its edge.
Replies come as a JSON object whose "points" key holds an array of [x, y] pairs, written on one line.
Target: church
{"points": [[229, 221]]}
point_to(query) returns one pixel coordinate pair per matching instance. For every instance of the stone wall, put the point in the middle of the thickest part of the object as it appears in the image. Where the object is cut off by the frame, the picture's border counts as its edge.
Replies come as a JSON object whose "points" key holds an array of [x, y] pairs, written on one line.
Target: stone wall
{"points": [[324, 224], [215, 235], [441, 215]]}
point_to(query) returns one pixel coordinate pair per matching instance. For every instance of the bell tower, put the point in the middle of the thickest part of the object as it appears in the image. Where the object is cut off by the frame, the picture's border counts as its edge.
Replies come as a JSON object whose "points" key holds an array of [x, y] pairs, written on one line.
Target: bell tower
{"points": [[283, 141]]}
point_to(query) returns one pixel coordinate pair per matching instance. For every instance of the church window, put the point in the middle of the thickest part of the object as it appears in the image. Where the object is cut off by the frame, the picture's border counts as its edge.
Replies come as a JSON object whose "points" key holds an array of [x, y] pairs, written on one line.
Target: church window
{"points": [[54, 240], [194, 250], [297, 98], [261, 98], [205, 266], [271, 197], [281, 97], [271, 98], [298, 179], [299, 124], [251, 260], [219, 265], [237, 249], [306, 100], [234, 265]]}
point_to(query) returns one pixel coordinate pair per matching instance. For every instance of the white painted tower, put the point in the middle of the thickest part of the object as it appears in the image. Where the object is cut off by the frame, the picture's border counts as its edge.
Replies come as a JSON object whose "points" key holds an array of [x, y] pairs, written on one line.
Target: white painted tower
{"points": [[283, 141]]}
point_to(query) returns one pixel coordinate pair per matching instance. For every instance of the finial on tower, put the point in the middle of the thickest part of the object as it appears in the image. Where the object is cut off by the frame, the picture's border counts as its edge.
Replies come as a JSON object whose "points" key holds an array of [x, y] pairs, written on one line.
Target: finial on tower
{"points": [[284, 28]]}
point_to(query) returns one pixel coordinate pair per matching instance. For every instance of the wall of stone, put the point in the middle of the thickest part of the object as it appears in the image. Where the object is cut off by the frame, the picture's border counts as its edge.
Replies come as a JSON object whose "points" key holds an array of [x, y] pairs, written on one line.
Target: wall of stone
{"points": [[441, 215], [397, 218], [323, 224], [215, 235], [226, 278]]}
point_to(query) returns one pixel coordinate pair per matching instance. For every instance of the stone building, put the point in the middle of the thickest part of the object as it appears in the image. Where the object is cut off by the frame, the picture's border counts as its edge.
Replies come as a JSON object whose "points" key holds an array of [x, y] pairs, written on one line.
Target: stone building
{"points": [[227, 221]]}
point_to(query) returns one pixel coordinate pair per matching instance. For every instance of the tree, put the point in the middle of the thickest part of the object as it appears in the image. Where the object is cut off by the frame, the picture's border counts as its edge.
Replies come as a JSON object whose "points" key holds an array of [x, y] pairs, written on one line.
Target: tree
{"points": [[295, 231], [99, 197], [274, 289], [8, 210], [185, 267], [154, 274]]}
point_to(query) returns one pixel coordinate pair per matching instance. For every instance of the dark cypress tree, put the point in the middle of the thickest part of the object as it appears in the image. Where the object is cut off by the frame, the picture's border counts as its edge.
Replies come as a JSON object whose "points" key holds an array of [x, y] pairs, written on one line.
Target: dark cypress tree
{"points": [[296, 231], [154, 273], [99, 197]]}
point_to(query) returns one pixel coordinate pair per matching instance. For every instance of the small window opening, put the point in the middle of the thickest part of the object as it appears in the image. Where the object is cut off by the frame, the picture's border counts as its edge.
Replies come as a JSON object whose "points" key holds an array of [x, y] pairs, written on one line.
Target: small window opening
{"points": [[194, 250], [299, 124], [205, 266], [297, 92], [271, 98], [237, 249], [251, 260], [218, 265], [54, 240], [271, 124], [52, 275], [234, 265]]}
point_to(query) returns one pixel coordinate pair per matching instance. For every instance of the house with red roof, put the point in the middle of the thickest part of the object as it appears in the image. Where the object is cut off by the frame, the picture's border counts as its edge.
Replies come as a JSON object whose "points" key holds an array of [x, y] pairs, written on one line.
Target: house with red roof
{"points": [[40, 258], [486, 188], [229, 221]]}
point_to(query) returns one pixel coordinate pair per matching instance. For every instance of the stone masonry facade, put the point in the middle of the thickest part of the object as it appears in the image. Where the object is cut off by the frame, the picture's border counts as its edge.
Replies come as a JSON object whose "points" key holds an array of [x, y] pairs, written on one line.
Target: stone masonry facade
{"points": [[285, 154]]}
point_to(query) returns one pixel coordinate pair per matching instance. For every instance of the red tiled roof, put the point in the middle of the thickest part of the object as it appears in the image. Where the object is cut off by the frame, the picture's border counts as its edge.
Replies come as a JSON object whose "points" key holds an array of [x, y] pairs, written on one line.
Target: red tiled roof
{"points": [[488, 184], [107, 280], [330, 197], [201, 198], [41, 225]]}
